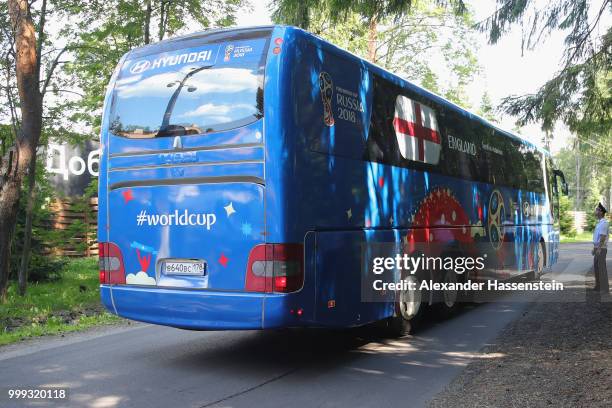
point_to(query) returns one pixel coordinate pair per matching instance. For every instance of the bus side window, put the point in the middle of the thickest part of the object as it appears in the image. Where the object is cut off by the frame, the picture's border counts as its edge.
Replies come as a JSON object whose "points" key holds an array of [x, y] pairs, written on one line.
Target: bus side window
{"points": [[461, 158], [488, 168], [514, 163], [533, 179], [484, 172], [381, 146], [493, 149], [376, 145]]}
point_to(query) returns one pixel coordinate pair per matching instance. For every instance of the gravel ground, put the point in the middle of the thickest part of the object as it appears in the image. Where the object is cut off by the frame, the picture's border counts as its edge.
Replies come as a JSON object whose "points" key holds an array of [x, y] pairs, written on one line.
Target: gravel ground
{"points": [[557, 354]]}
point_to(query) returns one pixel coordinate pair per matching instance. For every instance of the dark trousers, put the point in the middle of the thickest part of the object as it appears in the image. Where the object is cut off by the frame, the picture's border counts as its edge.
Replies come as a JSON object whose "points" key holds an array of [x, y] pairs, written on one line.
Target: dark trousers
{"points": [[600, 271]]}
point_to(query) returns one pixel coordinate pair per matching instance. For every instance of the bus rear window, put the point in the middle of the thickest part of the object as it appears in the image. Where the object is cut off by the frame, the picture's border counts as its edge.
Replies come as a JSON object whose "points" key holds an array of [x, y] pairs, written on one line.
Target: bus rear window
{"points": [[198, 90]]}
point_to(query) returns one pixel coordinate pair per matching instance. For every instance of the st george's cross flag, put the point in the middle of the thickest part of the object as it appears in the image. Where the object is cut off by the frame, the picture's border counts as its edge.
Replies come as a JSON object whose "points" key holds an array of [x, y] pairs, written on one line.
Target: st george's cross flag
{"points": [[416, 130]]}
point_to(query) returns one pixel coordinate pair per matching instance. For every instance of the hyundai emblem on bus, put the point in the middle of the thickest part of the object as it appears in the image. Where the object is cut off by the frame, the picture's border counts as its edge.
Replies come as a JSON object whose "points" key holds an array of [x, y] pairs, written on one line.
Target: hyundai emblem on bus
{"points": [[144, 65], [327, 90]]}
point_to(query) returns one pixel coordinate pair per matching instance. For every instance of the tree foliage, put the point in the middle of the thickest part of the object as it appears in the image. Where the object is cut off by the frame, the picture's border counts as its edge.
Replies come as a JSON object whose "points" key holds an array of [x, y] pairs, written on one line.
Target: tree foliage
{"points": [[430, 43], [42, 266], [579, 93], [566, 220], [486, 108], [588, 170], [300, 12], [422, 43], [372, 12]]}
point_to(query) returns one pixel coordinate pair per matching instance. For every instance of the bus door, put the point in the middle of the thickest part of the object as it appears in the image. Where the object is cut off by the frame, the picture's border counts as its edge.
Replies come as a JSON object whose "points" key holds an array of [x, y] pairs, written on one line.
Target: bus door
{"points": [[558, 183]]}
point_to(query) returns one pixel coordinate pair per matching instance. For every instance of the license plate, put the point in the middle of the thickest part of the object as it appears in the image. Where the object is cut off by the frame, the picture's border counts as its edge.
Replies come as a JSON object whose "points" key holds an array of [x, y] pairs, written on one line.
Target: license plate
{"points": [[184, 267]]}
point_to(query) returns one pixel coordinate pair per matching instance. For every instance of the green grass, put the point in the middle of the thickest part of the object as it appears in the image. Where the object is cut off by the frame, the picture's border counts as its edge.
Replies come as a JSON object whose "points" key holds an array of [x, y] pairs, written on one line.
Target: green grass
{"points": [[585, 236], [68, 304]]}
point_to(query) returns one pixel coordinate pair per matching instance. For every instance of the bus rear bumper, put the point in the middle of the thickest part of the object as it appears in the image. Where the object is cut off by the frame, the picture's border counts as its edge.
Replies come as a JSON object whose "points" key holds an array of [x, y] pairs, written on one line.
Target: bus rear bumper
{"points": [[196, 309]]}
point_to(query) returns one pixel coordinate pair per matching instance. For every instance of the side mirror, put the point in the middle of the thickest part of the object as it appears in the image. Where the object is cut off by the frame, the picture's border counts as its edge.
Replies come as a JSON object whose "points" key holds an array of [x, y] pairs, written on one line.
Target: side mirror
{"points": [[559, 173]]}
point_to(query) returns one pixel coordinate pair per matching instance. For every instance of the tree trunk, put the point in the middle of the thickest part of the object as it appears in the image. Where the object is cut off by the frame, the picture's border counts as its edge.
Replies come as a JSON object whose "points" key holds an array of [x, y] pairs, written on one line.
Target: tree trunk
{"points": [[9, 200], [578, 184], [303, 15], [372, 38], [31, 122], [163, 18], [27, 238], [147, 28], [609, 208]]}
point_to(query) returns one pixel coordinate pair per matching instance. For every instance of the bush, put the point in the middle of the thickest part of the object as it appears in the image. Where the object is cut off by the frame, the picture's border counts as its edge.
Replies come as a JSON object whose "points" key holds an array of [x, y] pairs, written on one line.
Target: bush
{"points": [[590, 204], [566, 220], [42, 266]]}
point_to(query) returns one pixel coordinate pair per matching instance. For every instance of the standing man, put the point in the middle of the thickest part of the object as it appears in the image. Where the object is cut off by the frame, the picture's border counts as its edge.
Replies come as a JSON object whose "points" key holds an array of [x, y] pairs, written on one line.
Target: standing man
{"points": [[600, 249]]}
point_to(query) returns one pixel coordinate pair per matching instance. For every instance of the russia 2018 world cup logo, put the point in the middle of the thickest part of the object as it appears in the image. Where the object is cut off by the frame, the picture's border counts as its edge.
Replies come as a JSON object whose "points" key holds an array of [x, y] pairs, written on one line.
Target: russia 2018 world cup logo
{"points": [[228, 52], [327, 90]]}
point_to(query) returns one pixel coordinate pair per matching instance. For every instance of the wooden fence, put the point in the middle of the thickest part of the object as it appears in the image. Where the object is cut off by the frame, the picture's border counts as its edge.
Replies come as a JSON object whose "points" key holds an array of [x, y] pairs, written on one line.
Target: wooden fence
{"points": [[65, 214]]}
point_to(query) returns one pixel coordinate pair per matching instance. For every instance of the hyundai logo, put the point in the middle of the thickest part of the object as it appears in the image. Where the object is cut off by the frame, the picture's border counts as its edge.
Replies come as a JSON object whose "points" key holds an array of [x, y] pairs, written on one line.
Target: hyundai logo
{"points": [[140, 67]]}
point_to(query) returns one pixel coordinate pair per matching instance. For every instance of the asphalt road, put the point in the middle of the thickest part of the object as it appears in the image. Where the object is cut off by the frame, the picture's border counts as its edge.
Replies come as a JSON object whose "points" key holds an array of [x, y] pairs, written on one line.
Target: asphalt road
{"points": [[150, 366]]}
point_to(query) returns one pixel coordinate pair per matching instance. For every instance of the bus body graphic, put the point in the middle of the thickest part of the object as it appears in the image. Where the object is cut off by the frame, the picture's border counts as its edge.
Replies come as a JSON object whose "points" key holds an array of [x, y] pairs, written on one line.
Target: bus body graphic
{"points": [[415, 125], [244, 171]]}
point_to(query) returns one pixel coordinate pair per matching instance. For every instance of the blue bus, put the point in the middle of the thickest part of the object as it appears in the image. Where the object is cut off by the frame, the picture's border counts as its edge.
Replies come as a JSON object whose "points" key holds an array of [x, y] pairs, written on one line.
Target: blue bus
{"points": [[243, 172]]}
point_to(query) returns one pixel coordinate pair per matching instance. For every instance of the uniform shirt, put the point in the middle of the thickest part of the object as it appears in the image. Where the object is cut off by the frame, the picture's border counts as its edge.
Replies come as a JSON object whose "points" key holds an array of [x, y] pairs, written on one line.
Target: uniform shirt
{"points": [[601, 229]]}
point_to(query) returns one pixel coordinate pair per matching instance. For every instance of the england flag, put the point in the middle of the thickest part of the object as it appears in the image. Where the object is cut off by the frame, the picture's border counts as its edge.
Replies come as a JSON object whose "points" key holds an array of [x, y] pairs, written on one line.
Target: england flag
{"points": [[416, 130]]}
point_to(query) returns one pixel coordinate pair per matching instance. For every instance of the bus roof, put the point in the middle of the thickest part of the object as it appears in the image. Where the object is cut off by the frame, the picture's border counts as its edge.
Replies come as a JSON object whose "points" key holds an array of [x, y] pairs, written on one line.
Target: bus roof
{"points": [[172, 43]]}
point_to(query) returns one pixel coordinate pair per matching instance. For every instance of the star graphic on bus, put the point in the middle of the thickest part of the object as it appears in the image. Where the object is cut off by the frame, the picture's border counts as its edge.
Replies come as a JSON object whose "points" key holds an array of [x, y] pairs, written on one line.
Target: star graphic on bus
{"points": [[223, 260], [247, 229], [349, 213], [127, 195], [229, 209]]}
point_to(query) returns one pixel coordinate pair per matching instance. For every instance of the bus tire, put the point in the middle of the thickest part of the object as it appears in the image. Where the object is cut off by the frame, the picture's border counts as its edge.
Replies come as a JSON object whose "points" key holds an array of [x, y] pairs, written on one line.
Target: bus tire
{"points": [[448, 301], [409, 309], [540, 261]]}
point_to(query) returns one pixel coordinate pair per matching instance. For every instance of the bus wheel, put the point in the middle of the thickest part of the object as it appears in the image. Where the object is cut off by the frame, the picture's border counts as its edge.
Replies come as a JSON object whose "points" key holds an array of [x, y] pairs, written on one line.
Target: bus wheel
{"points": [[409, 308], [540, 262], [448, 301]]}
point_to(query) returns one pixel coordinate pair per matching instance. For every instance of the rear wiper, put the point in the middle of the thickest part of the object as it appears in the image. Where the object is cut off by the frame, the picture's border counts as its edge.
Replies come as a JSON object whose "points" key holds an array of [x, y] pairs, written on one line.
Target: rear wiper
{"points": [[165, 127], [172, 130]]}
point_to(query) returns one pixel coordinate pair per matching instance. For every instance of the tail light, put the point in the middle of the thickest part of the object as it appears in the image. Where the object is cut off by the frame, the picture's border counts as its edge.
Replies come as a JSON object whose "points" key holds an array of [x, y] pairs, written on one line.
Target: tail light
{"points": [[275, 268], [111, 263], [278, 42]]}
